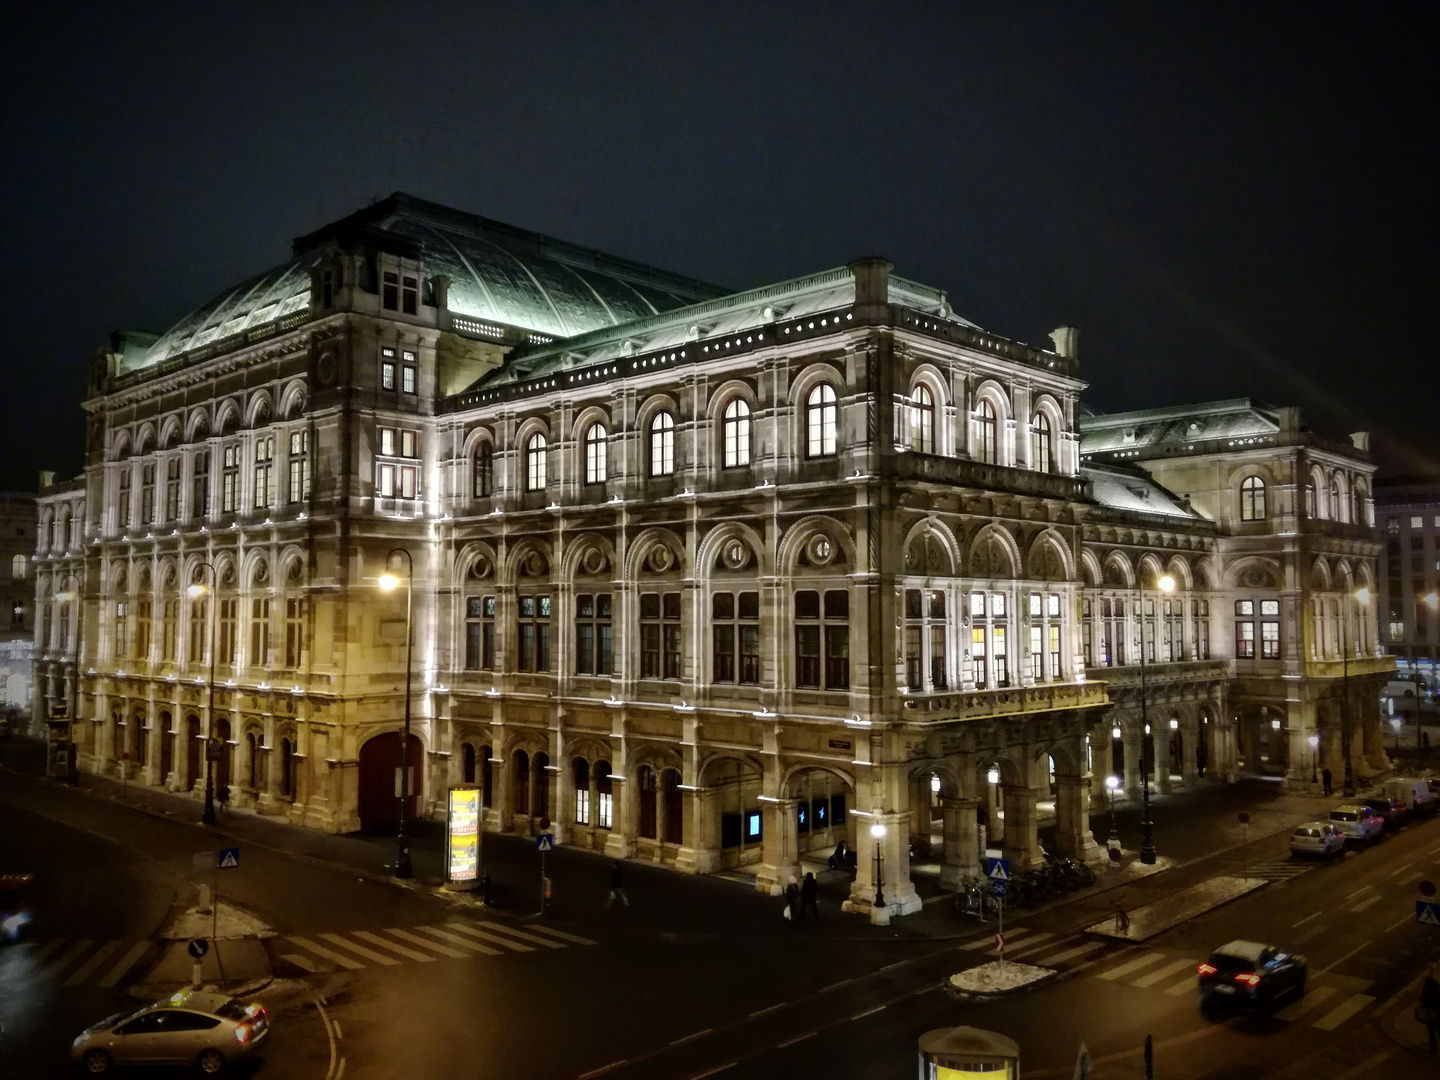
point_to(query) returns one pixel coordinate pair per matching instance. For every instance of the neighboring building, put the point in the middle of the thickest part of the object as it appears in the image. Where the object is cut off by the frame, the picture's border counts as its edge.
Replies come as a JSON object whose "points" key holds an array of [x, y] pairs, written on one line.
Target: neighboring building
{"points": [[1408, 508], [17, 598], [710, 578]]}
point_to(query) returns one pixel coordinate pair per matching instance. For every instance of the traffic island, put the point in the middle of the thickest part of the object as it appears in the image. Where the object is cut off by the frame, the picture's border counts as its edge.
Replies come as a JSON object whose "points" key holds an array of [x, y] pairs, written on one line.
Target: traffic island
{"points": [[995, 980], [1154, 918]]}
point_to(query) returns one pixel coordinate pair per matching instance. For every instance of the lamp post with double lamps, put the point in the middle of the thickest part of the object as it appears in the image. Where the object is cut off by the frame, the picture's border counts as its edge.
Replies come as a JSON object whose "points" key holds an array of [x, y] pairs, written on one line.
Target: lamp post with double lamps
{"points": [[1363, 596], [196, 590], [389, 581], [1166, 584]]}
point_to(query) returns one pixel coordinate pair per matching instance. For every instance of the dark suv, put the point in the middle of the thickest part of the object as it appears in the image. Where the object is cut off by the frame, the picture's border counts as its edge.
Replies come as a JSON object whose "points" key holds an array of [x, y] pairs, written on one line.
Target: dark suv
{"points": [[1393, 812], [1251, 975]]}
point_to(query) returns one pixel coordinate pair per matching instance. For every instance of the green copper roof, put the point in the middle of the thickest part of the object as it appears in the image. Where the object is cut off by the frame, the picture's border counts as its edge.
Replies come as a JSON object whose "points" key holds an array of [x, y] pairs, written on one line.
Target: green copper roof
{"points": [[497, 273]]}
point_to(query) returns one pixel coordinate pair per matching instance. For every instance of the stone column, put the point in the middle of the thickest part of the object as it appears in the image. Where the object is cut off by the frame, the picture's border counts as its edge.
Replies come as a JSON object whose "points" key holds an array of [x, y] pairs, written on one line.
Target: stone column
{"points": [[1133, 744], [1104, 765], [962, 842], [898, 891], [1190, 756], [700, 854], [1022, 843], [620, 844], [779, 846], [1072, 818]]}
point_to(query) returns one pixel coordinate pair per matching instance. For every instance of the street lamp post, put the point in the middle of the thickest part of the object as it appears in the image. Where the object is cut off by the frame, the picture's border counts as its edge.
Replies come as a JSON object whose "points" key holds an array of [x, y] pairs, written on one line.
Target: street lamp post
{"points": [[196, 590], [389, 581], [1314, 742], [1362, 595], [877, 832], [1147, 842], [1112, 784]]}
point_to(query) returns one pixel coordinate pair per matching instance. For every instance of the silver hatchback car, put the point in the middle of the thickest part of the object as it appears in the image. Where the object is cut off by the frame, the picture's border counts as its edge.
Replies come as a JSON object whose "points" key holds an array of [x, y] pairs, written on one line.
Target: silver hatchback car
{"points": [[186, 1028], [1317, 838]]}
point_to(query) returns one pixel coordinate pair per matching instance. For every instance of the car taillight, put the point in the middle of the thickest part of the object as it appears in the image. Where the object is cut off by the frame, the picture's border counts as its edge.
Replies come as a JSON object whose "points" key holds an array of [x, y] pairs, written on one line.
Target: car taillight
{"points": [[242, 1034], [1208, 969], [1248, 980]]}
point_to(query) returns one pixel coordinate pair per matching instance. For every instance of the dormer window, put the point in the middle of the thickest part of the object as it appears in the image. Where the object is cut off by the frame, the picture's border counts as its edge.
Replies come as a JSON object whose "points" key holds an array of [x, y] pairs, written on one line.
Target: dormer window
{"points": [[390, 291], [400, 292], [409, 295], [327, 288]]}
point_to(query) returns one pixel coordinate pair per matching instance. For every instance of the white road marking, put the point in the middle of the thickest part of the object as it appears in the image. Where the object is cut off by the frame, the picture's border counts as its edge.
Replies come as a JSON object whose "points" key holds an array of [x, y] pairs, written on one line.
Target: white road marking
{"points": [[768, 1009], [1040, 941], [360, 950], [1164, 973], [1365, 1066], [1338, 1015], [1337, 963], [692, 1038], [1366, 903], [574, 939], [386, 943], [1184, 986], [67, 958], [328, 954], [1313, 998], [604, 1069], [45, 950], [792, 1042], [454, 939], [125, 963], [494, 939], [501, 928], [1133, 965], [717, 1069], [1401, 869], [1357, 892], [84, 971], [302, 961], [989, 942], [1306, 919], [867, 1012], [1072, 953]]}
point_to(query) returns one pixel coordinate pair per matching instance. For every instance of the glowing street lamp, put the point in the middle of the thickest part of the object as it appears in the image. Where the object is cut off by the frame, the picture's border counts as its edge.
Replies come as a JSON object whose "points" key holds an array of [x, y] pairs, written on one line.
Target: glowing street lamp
{"points": [[1314, 742], [877, 832]]}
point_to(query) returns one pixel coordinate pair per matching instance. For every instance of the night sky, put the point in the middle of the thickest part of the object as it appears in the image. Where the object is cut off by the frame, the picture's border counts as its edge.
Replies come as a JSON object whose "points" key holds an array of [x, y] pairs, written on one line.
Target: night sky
{"points": [[1228, 200]]}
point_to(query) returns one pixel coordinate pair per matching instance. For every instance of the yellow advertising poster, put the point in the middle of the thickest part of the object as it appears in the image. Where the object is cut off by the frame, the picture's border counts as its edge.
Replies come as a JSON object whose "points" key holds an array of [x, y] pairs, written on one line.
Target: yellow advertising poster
{"points": [[463, 830]]}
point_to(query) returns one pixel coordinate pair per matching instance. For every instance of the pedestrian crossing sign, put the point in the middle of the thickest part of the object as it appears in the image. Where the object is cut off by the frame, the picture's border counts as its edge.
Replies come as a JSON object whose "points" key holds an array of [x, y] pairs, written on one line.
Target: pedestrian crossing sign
{"points": [[545, 841], [229, 858], [998, 870], [1427, 912]]}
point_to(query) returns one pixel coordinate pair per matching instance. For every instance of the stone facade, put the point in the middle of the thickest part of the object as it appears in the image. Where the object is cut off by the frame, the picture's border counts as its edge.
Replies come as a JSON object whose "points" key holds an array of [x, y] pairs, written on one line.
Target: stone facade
{"points": [[713, 579]]}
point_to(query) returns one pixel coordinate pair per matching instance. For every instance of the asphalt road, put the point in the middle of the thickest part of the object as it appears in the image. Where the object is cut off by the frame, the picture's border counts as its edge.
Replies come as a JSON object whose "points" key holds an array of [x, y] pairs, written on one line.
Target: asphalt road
{"points": [[701, 976]]}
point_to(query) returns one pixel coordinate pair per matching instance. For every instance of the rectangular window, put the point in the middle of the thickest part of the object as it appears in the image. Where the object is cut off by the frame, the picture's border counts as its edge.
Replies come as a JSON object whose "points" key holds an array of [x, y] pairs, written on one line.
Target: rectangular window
{"points": [[735, 630], [594, 634], [1245, 629], [409, 295], [169, 626], [294, 631], [147, 493], [1002, 661], [260, 632], [200, 486], [144, 607], [978, 657], [1270, 629], [230, 479], [122, 501], [472, 633], [264, 466], [836, 620], [408, 379], [534, 626], [1054, 651], [1037, 653], [197, 643], [299, 489], [172, 489], [122, 636], [925, 637], [225, 633], [387, 368], [487, 633], [660, 635], [1200, 609], [390, 290]]}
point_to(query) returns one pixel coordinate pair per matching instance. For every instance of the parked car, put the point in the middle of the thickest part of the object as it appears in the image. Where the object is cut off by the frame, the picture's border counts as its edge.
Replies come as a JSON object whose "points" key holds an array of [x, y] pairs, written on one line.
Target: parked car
{"points": [[1391, 811], [1413, 794], [1317, 838], [1357, 821], [186, 1028], [1251, 975]]}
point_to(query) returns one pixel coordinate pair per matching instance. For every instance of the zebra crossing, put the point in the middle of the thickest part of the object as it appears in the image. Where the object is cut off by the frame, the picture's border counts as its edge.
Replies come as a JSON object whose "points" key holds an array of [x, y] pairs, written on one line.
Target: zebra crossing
{"points": [[1281, 869], [457, 939], [88, 962]]}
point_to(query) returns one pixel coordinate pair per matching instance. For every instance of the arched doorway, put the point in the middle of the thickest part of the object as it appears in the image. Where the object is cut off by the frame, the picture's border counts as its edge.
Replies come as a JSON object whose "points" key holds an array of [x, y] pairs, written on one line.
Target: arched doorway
{"points": [[222, 767], [732, 794], [167, 748], [192, 752], [520, 785], [822, 812], [379, 806]]}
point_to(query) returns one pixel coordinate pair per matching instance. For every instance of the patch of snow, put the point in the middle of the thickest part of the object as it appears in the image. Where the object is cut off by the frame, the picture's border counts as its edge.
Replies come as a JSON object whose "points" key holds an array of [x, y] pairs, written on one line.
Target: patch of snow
{"points": [[227, 922], [988, 979]]}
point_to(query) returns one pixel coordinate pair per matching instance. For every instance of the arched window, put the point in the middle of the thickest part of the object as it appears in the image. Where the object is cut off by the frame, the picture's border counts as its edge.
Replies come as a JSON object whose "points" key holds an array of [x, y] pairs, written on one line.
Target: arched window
{"points": [[597, 459], [483, 472], [1337, 500], [287, 769], [985, 441], [536, 472], [1310, 499], [467, 764], [662, 444], [648, 816], [1040, 458], [18, 565], [1252, 499], [820, 421], [520, 790], [674, 813], [735, 428], [582, 791], [921, 415]]}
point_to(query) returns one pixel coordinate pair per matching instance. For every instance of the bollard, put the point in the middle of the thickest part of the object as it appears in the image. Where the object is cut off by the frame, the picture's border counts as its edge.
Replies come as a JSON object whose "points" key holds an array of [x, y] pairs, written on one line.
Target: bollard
{"points": [[485, 890], [195, 979], [203, 904]]}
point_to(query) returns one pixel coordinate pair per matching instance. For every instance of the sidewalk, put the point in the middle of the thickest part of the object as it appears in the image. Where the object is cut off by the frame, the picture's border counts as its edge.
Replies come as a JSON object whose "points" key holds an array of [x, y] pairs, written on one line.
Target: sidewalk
{"points": [[1157, 917], [1402, 1026]]}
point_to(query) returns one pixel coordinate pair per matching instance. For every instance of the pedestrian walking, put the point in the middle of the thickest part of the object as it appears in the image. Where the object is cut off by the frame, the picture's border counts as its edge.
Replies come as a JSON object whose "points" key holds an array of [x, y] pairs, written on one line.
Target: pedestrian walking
{"points": [[809, 896], [1122, 919], [1326, 780], [1428, 1011], [617, 884], [792, 901]]}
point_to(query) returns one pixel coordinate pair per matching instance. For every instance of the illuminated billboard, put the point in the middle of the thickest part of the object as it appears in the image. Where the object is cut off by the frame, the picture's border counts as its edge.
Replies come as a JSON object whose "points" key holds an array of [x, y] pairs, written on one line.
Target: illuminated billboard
{"points": [[462, 847]]}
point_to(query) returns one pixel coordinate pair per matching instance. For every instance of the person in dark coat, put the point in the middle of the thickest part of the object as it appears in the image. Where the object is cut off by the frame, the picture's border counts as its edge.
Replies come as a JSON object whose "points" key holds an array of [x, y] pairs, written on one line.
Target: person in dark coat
{"points": [[1428, 1012], [792, 900], [809, 896], [1326, 780], [617, 884]]}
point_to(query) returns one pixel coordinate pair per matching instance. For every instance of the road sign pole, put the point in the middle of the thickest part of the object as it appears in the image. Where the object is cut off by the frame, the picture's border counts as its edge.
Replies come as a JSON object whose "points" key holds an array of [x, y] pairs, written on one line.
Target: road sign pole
{"points": [[1001, 901]]}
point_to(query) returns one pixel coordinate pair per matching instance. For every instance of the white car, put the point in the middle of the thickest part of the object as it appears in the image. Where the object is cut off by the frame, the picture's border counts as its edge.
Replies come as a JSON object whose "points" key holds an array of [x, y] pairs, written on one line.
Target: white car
{"points": [[1317, 838], [1357, 822]]}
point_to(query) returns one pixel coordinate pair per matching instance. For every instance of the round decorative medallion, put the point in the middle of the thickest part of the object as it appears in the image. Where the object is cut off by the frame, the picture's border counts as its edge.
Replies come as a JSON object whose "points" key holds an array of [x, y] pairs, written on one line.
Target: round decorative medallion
{"points": [[661, 559], [593, 561], [325, 369], [534, 564], [480, 568], [735, 555]]}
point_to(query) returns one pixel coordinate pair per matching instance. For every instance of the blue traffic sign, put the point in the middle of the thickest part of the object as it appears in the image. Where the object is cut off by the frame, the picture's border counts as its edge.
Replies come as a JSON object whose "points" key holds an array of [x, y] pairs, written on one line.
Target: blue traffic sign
{"points": [[997, 869], [197, 948], [545, 842], [1427, 912], [998, 888], [229, 858]]}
